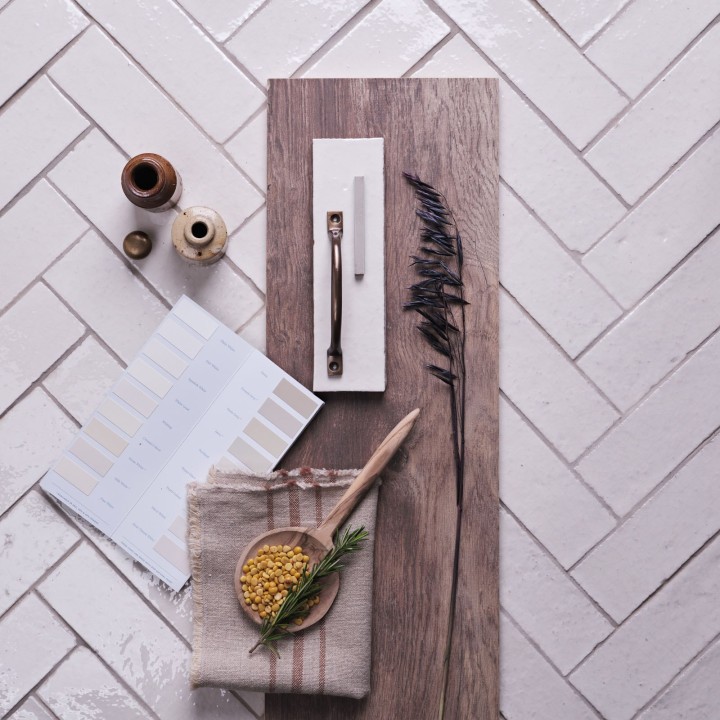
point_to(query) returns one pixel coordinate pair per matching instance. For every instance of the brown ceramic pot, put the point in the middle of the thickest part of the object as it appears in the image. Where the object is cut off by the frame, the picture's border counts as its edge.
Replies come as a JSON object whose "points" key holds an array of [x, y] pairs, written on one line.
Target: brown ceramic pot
{"points": [[151, 182]]}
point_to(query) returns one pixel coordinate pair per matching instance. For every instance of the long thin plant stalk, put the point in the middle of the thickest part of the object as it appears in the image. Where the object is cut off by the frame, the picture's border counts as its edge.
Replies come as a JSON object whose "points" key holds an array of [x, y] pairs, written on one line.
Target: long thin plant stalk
{"points": [[439, 298]]}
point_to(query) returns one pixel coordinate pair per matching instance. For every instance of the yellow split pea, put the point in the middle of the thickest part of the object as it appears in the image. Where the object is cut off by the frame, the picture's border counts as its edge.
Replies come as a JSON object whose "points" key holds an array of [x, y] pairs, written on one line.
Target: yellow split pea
{"points": [[270, 575]]}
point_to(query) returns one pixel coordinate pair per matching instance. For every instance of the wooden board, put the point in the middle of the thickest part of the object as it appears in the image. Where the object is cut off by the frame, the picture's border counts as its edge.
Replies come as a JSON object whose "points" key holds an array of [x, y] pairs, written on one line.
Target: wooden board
{"points": [[445, 131]]}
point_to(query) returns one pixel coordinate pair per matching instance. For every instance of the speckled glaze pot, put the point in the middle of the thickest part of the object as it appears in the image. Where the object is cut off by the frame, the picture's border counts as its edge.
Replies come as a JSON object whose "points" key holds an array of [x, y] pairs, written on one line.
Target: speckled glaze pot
{"points": [[151, 182], [199, 235]]}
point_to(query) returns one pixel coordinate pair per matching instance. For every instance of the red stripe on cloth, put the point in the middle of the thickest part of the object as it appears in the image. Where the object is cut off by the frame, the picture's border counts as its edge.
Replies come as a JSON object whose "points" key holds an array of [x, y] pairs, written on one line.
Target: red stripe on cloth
{"points": [[323, 639], [271, 526], [298, 642]]}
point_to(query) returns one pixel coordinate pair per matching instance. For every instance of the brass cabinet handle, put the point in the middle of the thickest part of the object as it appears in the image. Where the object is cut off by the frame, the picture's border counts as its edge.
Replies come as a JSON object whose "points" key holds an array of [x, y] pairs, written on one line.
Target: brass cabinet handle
{"points": [[334, 353]]}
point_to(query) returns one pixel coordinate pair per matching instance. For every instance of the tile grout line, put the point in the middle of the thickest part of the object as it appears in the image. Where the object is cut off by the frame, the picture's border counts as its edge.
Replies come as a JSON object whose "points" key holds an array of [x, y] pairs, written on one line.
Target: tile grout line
{"points": [[697, 657], [342, 32], [84, 643], [577, 152], [565, 355], [655, 82], [650, 293], [544, 550], [585, 45], [561, 30], [504, 611], [639, 402], [549, 445]]}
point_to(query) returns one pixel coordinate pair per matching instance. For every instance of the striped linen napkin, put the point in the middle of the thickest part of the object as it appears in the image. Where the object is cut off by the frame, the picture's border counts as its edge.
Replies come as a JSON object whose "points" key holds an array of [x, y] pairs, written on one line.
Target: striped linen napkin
{"points": [[331, 657]]}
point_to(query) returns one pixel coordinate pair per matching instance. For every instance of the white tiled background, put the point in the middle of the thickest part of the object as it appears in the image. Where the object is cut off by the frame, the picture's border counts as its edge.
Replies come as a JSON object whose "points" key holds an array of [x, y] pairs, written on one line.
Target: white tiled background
{"points": [[610, 360]]}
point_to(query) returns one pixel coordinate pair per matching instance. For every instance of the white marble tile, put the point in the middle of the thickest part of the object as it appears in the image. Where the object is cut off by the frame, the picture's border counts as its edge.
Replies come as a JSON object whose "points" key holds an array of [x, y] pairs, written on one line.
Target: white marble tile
{"points": [[544, 494], [51, 223], [43, 123], [254, 332], [695, 693], [24, 461], [652, 339], [221, 18], [544, 64], [82, 379], [655, 643], [546, 387], [103, 291], [175, 607], [31, 709], [386, 43], [132, 640], [32, 641], [217, 287], [582, 20], [534, 161], [247, 249], [664, 124], [531, 689], [543, 600], [183, 60], [630, 564], [548, 282], [646, 38], [149, 119], [249, 150], [82, 688], [33, 537], [31, 33], [659, 232], [283, 34], [649, 442], [36, 331]]}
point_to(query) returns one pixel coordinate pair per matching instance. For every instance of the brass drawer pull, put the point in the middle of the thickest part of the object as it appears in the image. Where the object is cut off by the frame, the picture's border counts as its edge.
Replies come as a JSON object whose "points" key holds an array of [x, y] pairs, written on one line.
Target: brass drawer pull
{"points": [[334, 353]]}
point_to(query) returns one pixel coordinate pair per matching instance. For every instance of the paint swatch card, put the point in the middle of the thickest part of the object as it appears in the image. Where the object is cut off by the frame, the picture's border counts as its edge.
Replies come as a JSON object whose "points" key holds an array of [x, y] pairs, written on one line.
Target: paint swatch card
{"points": [[195, 395]]}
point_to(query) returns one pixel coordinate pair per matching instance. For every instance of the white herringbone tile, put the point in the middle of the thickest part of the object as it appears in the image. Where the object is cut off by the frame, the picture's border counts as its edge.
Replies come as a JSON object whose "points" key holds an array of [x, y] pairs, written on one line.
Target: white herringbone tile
{"points": [[31, 33], [183, 60], [627, 567], [647, 37], [609, 316], [544, 65], [645, 653], [83, 376], [218, 288], [41, 122], [32, 642], [664, 124], [283, 35], [149, 118], [53, 224], [82, 681], [659, 232], [136, 644], [534, 161]]}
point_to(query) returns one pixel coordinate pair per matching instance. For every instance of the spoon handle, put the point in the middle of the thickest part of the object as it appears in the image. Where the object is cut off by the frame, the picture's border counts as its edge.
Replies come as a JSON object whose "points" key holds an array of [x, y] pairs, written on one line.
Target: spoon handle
{"points": [[362, 483]]}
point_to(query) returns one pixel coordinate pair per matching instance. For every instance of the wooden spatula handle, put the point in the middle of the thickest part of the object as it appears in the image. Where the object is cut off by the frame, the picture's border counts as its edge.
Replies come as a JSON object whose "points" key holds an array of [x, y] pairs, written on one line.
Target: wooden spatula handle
{"points": [[362, 483]]}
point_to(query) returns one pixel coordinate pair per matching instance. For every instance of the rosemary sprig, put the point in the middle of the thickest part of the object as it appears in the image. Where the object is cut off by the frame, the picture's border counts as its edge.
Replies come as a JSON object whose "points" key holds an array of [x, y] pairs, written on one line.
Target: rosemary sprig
{"points": [[440, 300], [294, 606]]}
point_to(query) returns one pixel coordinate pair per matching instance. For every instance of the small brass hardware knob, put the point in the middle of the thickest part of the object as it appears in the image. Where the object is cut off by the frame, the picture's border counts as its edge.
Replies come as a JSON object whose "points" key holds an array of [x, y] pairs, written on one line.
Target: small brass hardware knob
{"points": [[137, 245]]}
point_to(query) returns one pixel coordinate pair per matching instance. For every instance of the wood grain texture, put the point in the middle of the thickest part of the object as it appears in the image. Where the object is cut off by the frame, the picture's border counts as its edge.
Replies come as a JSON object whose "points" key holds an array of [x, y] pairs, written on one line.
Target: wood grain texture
{"points": [[445, 131]]}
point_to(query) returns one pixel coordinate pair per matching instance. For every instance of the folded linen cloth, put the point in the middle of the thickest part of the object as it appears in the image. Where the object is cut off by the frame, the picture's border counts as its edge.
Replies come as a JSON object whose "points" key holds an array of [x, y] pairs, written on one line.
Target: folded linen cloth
{"points": [[225, 514]]}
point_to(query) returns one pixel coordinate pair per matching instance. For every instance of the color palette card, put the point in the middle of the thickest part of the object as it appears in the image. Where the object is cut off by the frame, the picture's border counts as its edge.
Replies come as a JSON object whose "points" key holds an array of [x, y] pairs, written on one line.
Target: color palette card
{"points": [[195, 395]]}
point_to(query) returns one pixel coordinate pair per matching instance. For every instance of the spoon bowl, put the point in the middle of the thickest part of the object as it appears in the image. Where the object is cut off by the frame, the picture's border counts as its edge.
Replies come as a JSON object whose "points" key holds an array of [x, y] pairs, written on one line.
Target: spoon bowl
{"points": [[315, 548], [317, 542]]}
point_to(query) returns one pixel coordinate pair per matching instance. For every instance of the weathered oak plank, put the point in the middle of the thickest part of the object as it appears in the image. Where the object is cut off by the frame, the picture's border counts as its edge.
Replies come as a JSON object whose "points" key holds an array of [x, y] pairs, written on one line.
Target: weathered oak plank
{"points": [[446, 132]]}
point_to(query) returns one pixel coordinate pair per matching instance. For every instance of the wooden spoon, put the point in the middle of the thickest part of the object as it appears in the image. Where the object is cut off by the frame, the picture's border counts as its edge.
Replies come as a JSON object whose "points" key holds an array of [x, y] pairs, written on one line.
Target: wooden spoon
{"points": [[317, 542]]}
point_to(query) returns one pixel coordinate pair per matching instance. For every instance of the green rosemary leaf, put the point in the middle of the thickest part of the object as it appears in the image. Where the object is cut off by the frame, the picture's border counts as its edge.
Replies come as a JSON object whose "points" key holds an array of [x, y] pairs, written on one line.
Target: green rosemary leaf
{"points": [[294, 606]]}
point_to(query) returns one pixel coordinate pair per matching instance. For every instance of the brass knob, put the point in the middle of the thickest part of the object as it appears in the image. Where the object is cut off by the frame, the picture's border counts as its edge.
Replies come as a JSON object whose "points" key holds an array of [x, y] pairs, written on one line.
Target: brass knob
{"points": [[137, 245]]}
